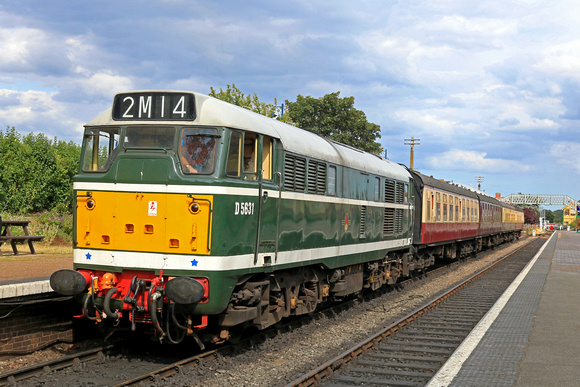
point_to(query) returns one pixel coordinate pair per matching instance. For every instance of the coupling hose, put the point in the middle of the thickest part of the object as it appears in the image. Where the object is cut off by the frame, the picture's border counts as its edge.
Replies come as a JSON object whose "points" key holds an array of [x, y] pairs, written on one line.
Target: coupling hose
{"points": [[153, 311], [107, 305]]}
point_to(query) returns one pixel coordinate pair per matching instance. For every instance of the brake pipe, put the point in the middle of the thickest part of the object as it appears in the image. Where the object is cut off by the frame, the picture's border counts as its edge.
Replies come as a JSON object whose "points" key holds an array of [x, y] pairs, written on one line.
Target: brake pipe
{"points": [[153, 312], [86, 299], [107, 305]]}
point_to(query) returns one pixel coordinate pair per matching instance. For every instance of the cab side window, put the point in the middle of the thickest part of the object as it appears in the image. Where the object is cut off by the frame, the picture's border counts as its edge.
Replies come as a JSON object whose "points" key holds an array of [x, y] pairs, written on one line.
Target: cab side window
{"points": [[250, 153], [233, 164], [267, 153]]}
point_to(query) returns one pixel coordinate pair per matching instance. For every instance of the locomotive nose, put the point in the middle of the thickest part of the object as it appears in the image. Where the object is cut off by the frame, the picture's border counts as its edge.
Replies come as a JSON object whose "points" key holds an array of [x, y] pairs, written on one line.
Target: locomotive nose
{"points": [[68, 282], [184, 290]]}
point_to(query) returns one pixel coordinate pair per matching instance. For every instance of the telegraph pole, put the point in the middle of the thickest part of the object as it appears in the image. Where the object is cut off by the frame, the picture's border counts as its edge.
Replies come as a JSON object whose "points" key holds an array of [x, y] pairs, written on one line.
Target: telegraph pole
{"points": [[412, 141], [479, 179]]}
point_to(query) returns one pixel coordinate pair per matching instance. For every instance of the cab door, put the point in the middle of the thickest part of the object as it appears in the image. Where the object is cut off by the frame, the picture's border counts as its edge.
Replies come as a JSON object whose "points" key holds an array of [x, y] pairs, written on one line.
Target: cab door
{"points": [[269, 203], [251, 158]]}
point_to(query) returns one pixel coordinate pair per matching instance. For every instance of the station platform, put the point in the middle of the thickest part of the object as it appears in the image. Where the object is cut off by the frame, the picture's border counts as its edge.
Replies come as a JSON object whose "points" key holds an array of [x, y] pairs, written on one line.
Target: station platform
{"points": [[28, 274], [531, 337]]}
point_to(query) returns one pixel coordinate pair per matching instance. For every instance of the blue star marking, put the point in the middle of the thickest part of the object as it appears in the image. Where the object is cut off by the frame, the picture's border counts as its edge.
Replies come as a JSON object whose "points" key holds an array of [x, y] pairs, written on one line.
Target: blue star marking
{"points": [[194, 262], [89, 255]]}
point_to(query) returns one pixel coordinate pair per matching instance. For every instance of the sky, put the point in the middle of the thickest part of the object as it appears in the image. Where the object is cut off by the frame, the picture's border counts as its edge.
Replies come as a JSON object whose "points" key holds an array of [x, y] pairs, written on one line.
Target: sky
{"points": [[491, 88]]}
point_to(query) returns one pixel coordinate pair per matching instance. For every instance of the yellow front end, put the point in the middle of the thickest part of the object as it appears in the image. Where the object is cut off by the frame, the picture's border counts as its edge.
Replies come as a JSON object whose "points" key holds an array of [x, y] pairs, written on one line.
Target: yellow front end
{"points": [[148, 222]]}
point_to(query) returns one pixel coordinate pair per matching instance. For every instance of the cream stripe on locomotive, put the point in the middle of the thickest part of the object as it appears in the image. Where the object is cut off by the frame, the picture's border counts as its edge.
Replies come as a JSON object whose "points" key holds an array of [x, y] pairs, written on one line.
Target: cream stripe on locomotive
{"points": [[233, 191], [158, 261]]}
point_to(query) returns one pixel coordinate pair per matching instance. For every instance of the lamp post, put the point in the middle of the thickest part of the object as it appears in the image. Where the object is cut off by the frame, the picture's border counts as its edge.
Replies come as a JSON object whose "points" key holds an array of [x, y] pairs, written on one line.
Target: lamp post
{"points": [[412, 141]]}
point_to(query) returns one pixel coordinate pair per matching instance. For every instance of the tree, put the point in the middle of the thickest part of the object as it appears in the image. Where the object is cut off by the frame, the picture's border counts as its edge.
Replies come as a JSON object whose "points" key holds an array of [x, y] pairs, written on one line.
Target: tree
{"points": [[329, 116], [36, 173], [530, 216], [558, 216], [234, 96], [336, 118]]}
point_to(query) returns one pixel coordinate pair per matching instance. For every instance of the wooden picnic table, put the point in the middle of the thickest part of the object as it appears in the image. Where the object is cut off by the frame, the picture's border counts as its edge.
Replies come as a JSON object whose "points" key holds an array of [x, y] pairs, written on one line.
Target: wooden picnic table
{"points": [[6, 235]]}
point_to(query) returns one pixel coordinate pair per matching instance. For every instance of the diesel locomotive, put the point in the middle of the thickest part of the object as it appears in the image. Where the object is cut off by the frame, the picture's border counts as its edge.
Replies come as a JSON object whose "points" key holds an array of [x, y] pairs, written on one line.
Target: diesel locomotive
{"points": [[198, 218]]}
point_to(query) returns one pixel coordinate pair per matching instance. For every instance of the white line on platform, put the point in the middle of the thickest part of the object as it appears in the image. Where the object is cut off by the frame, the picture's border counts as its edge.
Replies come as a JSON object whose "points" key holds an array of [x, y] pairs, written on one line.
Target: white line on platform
{"points": [[450, 369]]}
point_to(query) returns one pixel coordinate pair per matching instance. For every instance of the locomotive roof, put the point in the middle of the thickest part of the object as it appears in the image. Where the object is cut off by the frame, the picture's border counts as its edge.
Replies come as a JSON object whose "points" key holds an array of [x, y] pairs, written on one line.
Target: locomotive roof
{"points": [[213, 112]]}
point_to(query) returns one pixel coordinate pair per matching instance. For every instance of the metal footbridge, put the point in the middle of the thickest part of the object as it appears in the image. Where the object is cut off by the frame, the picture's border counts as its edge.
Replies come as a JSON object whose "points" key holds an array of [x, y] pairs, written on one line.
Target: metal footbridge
{"points": [[541, 200]]}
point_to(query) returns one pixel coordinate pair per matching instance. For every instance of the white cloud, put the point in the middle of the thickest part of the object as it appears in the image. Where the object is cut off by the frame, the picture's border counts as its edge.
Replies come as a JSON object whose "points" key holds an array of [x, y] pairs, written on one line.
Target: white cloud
{"points": [[429, 120], [22, 48], [566, 154], [102, 83], [457, 159], [37, 111], [561, 60]]}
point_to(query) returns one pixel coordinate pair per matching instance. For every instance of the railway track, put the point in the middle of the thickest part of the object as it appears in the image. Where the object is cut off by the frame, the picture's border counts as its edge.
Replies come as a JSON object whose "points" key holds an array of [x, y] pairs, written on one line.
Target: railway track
{"points": [[417, 363], [100, 353], [412, 350]]}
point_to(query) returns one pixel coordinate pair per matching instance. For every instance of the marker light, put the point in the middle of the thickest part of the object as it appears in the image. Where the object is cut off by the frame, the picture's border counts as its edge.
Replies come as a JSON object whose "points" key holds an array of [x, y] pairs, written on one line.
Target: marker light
{"points": [[194, 208]]}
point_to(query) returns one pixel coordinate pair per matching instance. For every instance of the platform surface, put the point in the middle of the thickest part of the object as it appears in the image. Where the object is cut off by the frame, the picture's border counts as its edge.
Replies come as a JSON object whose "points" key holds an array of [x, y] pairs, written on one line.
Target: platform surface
{"points": [[27, 274], [532, 335]]}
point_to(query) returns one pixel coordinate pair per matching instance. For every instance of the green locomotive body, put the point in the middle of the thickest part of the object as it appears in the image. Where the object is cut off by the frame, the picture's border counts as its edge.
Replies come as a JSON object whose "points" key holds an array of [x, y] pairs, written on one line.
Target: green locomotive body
{"points": [[197, 214]]}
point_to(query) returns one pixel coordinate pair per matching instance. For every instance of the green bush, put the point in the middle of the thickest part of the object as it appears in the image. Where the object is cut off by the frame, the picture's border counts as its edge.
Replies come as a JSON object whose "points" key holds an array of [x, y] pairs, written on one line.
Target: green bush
{"points": [[36, 173], [50, 224], [53, 224]]}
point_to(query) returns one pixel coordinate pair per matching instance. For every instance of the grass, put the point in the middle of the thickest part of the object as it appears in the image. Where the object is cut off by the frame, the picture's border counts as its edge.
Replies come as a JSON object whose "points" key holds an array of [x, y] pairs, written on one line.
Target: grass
{"points": [[56, 227], [45, 249]]}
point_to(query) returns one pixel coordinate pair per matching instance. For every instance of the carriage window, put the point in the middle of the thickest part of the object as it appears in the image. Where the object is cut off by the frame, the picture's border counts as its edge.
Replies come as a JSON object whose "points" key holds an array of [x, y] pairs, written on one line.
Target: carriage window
{"points": [[100, 147], [197, 150], [428, 204], [377, 189], [233, 164]]}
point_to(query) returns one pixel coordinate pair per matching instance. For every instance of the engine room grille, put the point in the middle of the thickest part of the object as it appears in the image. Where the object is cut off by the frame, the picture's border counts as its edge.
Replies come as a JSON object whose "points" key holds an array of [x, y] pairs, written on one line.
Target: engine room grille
{"points": [[294, 173], [389, 221], [389, 191], [398, 221], [363, 220], [393, 221], [316, 177], [400, 193]]}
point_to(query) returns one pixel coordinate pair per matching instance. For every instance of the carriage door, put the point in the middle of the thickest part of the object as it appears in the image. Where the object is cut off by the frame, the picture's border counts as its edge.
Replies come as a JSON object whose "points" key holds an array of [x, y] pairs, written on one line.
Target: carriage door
{"points": [[268, 203]]}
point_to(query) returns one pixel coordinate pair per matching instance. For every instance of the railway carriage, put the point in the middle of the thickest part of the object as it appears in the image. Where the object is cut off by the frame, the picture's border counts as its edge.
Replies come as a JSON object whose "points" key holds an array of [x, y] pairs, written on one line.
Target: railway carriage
{"points": [[452, 221], [199, 217], [512, 219], [491, 220], [446, 218]]}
